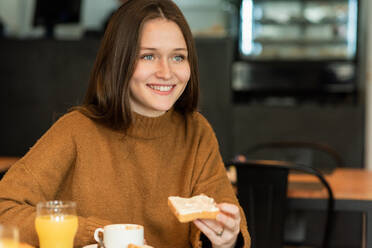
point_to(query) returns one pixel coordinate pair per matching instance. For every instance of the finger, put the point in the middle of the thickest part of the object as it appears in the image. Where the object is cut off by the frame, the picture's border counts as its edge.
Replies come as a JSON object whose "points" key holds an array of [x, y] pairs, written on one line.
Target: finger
{"points": [[230, 209], [225, 237], [228, 222], [211, 235], [214, 225]]}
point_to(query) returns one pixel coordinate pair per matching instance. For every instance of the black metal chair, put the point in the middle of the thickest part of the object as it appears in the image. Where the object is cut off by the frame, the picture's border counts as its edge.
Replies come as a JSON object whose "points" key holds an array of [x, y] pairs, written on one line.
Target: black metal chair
{"points": [[262, 193], [312, 154]]}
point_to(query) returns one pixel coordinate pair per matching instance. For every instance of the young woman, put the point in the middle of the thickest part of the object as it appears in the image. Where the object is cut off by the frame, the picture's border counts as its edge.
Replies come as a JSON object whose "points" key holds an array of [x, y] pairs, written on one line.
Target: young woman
{"points": [[136, 140]]}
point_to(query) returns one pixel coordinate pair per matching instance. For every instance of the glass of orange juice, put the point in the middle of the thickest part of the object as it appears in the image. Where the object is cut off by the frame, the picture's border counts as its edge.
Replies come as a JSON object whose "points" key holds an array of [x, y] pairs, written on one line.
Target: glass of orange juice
{"points": [[9, 237], [56, 224]]}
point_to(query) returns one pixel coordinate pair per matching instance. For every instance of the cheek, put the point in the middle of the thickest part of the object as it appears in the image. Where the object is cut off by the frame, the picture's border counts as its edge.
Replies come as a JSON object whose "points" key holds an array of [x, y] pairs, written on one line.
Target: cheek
{"points": [[184, 74], [142, 72], [135, 77]]}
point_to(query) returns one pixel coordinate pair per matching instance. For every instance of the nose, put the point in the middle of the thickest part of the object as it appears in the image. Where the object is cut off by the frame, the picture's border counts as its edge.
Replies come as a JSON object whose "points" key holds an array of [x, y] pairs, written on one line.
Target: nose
{"points": [[164, 70]]}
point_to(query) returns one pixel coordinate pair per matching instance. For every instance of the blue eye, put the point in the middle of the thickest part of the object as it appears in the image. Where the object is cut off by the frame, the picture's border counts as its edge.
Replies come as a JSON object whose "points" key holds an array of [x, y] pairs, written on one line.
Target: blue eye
{"points": [[148, 57], [179, 58]]}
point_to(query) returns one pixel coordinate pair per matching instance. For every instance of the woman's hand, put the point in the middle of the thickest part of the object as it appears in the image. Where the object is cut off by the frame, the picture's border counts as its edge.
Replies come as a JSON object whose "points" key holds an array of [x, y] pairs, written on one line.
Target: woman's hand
{"points": [[222, 232]]}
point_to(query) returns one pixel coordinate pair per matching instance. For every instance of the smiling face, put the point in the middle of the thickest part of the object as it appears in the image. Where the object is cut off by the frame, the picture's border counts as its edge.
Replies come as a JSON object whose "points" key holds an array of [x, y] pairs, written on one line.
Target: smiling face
{"points": [[162, 69]]}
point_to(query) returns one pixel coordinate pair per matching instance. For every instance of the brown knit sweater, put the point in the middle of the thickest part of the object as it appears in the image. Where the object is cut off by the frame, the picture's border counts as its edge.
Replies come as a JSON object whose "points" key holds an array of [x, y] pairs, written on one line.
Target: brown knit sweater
{"points": [[116, 178]]}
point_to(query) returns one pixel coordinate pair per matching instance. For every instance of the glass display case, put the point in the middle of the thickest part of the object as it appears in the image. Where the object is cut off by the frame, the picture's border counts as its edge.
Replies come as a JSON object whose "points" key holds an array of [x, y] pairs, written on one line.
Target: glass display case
{"points": [[304, 49], [298, 29]]}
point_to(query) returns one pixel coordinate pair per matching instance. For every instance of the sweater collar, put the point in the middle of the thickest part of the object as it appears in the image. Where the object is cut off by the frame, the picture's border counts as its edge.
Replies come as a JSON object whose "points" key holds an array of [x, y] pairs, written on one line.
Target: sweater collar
{"points": [[151, 127]]}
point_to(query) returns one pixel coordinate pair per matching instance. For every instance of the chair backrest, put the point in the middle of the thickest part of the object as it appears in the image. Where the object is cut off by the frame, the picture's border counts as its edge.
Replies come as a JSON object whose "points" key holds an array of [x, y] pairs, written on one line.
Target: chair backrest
{"points": [[262, 193], [313, 154]]}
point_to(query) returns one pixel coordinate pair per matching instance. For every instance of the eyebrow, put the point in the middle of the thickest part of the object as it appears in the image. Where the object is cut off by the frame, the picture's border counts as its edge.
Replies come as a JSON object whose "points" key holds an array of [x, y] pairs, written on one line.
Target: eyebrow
{"points": [[154, 49]]}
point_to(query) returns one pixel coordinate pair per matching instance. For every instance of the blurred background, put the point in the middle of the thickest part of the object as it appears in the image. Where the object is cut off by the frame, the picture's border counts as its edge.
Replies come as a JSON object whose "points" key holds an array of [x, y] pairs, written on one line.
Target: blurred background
{"points": [[271, 71]]}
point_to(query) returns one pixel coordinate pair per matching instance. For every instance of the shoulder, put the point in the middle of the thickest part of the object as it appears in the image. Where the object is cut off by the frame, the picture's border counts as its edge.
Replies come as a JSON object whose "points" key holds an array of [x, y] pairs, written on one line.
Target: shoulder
{"points": [[73, 121], [74, 118], [198, 119], [200, 124]]}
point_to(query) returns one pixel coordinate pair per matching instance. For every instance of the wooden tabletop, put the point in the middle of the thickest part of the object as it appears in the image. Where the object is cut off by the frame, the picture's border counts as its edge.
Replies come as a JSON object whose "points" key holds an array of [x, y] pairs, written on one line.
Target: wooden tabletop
{"points": [[346, 183], [6, 162]]}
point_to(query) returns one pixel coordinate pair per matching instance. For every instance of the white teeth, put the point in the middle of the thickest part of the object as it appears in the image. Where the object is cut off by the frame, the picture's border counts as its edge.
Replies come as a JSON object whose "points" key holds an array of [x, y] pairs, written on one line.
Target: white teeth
{"points": [[161, 88]]}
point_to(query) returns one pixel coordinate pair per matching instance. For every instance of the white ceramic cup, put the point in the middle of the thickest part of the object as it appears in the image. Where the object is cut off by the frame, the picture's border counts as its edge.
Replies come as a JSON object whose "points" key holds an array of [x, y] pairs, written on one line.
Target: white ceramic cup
{"points": [[120, 235]]}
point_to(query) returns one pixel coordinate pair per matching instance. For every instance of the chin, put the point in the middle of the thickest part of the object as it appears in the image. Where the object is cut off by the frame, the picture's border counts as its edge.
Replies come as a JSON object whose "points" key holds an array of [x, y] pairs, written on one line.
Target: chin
{"points": [[163, 107]]}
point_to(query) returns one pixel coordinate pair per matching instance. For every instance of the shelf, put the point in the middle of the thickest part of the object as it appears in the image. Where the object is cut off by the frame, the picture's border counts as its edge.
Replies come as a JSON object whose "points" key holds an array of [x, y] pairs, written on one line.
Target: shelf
{"points": [[307, 42], [301, 22], [295, 60], [296, 1], [290, 98]]}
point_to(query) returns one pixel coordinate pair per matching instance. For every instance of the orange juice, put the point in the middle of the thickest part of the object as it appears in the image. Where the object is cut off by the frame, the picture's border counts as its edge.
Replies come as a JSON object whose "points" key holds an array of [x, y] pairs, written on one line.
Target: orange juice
{"points": [[8, 243], [56, 231]]}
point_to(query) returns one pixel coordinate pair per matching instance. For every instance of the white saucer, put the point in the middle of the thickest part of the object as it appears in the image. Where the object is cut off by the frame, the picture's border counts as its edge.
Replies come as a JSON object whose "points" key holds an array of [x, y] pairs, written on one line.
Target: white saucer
{"points": [[91, 246]]}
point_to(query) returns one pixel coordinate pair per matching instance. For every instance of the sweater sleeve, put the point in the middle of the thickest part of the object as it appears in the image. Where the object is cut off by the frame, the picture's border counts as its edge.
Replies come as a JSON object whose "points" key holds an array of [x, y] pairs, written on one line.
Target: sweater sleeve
{"points": [[210, 178], [38, 176]]}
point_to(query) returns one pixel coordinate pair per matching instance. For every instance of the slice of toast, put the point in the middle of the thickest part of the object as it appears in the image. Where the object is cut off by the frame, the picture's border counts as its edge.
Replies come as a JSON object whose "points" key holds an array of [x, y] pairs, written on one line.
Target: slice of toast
{"points": [[139, 246], [196, 207], [25, 245]]}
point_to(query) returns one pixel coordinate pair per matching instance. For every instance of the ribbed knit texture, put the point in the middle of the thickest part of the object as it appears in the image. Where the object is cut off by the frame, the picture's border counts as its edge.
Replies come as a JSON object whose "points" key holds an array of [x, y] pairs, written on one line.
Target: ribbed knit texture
{"points": [[117, 178]]}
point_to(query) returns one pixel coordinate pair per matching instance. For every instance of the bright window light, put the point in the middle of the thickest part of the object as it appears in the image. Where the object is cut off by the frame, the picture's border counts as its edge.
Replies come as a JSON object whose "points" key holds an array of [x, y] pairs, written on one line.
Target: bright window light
{"points": [[246, 19], [351, 27]]}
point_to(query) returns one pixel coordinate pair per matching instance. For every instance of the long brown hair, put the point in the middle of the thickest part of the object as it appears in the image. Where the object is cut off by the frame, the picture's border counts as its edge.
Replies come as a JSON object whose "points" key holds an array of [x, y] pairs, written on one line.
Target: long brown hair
{"points": [[107, 97]]}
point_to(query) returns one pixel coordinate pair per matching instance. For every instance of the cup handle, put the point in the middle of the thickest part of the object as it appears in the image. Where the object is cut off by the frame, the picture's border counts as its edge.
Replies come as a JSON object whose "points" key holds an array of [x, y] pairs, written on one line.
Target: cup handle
{"points": [[96, 235]]}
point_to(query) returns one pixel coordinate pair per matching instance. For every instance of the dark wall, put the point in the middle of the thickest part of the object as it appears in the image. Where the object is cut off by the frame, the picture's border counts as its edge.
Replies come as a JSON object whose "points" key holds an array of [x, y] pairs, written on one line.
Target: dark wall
{"points": [[215, 58], [340, 127], [39, 81]]}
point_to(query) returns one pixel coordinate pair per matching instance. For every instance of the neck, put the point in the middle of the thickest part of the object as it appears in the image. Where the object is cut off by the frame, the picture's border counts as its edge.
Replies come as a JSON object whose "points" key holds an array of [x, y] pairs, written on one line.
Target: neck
{"points": [[150, 127]]}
